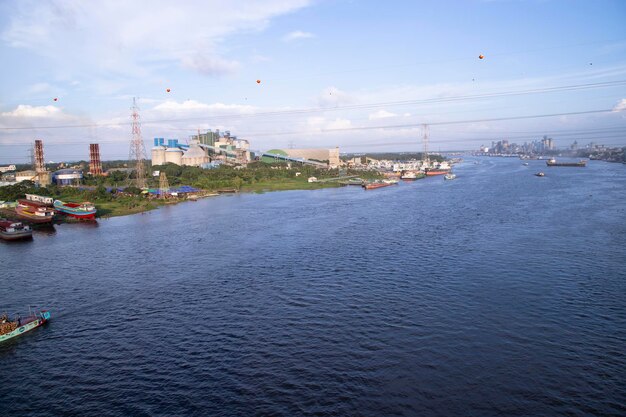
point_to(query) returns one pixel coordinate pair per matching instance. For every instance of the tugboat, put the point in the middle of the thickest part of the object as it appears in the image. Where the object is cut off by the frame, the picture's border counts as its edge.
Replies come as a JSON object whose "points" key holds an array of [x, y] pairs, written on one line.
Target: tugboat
{"points": [[85, 211], [18, 326], [10, 230]]}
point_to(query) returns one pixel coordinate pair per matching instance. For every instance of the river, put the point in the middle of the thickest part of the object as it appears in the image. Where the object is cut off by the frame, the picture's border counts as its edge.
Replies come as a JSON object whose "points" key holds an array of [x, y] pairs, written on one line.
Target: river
{"points": [[498, 293]]}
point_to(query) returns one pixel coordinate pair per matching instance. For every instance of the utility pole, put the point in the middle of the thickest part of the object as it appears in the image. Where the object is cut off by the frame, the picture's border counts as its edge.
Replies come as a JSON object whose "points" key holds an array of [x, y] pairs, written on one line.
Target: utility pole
{"points": [[426, 158], [137, 153]]}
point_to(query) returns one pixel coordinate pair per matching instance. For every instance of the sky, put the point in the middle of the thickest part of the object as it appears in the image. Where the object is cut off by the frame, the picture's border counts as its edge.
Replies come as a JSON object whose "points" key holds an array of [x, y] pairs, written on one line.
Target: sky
{"points": [[362, 75]]}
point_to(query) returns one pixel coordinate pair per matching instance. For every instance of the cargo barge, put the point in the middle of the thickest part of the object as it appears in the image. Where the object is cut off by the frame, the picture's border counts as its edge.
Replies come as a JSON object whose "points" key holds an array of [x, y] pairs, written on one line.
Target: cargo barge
{"points": [[552, 163], [379, 184], [34, 211], [83, 211]]}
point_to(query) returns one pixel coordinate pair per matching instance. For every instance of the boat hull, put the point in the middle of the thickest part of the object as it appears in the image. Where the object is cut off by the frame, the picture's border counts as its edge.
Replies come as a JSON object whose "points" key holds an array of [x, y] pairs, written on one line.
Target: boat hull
{"points": [[378, 185], [433, 172], [580, 164], [75, 212], [16, 236], [25, 214]]}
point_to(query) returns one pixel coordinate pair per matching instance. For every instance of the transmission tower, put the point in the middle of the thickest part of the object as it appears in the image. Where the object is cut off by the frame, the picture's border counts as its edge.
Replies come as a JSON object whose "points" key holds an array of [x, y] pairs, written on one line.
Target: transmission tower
{"points": [[137, 154], [426, 158], [164, 186]]}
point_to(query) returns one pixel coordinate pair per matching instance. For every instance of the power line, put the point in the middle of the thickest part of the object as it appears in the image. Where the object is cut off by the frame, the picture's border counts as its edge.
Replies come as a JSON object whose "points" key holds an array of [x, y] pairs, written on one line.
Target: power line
{"points": [[350, 107]]}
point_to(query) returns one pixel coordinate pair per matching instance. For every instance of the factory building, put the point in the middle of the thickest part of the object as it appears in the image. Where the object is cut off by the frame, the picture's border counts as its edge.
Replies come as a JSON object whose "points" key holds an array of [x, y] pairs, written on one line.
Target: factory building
{"points": [[202, 149]]}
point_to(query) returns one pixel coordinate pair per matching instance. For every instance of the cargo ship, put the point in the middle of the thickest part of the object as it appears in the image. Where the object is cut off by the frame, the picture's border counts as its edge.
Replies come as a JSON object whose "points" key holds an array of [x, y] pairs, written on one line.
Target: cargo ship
{"points": [[13, 328], [84, 211], [430, 172], [378, 184], [34, 211], [10, 230], [552, 163]]}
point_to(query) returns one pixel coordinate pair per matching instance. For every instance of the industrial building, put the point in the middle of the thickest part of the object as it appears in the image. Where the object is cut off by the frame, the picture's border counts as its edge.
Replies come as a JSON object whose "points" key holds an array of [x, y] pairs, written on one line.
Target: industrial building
{"points": [[202, 150], [329, 156]]}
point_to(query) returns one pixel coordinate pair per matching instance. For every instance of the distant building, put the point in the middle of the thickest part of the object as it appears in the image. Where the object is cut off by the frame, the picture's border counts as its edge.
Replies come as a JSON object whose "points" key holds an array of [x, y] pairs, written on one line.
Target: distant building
{"points": [[68, 176], [7, 168]]}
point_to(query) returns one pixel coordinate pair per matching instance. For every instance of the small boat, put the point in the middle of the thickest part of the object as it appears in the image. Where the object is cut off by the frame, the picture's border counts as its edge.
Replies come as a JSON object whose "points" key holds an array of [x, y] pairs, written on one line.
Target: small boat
{"points": [[525, 164], [10, 230], [540, 174], [13, 328], [34, 212], [449, 176], [84, 210]]}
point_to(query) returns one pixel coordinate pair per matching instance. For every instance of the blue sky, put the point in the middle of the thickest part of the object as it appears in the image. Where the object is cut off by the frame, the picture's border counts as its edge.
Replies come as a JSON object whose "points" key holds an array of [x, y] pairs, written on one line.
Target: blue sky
{"points": [[348, 63]]}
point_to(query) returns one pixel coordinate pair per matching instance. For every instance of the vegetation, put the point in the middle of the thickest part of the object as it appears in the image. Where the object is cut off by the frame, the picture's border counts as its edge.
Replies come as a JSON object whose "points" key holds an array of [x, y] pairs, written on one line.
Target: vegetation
{"points": [[113, 197]]}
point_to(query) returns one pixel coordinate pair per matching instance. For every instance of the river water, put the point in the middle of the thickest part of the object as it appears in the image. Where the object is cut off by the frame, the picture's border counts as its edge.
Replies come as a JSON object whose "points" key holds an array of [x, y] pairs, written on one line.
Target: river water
{"points": [[498, 293]]}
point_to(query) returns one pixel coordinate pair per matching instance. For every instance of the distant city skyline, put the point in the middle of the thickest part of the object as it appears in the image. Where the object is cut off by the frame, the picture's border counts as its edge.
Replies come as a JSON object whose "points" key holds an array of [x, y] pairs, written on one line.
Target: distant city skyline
{"points": [[358, 75]]}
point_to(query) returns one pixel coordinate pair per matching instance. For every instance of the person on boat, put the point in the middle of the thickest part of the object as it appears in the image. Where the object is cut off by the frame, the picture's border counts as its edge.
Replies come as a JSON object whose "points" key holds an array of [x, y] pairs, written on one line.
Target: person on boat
{"points": [[4, 318]]}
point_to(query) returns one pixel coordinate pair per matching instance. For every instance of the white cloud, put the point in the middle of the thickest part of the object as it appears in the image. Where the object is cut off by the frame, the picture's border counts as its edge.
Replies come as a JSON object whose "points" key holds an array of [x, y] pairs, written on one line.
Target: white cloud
{"points": [[194, 106], [297, 34], [381, 114], [620, 106], [210, 65], [25, 111], [134, 38]]}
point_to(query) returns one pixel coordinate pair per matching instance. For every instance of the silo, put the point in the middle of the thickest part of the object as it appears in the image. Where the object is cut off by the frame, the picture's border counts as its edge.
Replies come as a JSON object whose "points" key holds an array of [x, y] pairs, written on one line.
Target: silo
{"points": [[174, 155], [158, 155]]}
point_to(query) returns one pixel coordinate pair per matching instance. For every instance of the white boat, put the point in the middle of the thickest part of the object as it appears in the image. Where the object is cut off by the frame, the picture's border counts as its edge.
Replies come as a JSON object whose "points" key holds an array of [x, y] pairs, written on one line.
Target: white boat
{"points": [[449, 176]]}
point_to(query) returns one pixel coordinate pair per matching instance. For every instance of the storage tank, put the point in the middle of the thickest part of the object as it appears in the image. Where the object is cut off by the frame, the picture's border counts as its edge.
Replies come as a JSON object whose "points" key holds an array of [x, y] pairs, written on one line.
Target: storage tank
{"points": [[174, 155], [158, 155]]}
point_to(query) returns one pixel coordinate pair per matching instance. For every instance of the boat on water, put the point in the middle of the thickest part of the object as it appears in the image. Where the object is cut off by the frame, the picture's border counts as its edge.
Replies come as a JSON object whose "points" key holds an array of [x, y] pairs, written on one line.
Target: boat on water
{"points": [[412, 176], [11, 230], [371, 185], [553, 163], [525, 164], [18, 326], [85, 210], [34, 211], [434, 171], [449, 176], [540, 174]]}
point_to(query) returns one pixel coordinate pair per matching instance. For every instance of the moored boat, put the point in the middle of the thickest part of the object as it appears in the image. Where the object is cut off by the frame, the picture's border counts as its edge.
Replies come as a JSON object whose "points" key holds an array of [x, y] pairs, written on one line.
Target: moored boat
{"points": [[430, 172], [11, 230], [412, 176], [371, 185], [13, 328], [34, 212], [85, 210]]}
